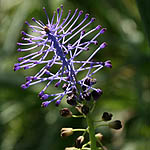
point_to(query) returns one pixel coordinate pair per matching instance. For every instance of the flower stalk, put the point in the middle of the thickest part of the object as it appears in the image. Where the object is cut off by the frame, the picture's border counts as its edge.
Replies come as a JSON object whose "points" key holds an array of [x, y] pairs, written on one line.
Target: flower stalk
{"points": [[91, 132]]}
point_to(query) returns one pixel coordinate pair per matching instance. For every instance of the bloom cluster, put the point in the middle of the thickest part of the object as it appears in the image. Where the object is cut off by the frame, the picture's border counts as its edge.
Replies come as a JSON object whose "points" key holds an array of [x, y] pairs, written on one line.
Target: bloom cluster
{"points": [[56, 47]]}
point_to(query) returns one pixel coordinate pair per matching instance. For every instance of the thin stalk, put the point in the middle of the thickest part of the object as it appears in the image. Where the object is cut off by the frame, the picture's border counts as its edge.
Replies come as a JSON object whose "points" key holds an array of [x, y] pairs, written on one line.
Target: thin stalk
{"points": [[84, 130], [91, 132]]}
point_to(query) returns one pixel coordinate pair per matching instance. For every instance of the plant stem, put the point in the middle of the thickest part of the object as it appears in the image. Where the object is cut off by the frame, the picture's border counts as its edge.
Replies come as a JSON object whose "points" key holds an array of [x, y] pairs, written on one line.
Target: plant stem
{"points": [[91, 132]]}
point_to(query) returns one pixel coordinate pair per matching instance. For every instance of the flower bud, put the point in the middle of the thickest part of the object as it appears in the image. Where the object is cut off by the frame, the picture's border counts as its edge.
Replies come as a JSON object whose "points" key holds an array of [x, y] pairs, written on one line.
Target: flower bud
{"points": [[96, 93], [87, 96], [66, 132], [99, 136], [65, 112], [79, 141], [85, 109], [115, 124], [106, 116], [71, 100]]}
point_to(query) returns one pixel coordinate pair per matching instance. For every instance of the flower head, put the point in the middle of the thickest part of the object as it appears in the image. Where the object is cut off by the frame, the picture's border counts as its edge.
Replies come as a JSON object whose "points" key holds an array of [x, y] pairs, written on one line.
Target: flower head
{"points": [[58, 43]]}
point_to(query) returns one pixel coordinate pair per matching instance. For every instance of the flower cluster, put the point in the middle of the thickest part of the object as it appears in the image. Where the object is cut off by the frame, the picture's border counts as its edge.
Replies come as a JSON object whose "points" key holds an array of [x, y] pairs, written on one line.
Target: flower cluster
{"points": [[55, 47]]}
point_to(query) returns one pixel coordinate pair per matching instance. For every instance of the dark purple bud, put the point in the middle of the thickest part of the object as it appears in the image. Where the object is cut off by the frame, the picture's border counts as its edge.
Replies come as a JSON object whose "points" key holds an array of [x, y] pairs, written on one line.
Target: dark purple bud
{"points": [[106, 116], [26, 22], [57, 103], [57, 84], [45, 104], [65, 112], [58, 10], [72, 99], [61, 6], [22, 38], [85, 109], [71, 102], [68, 78], [87, 81], [86, 16], [24, 86], [98, 27], [16, 65], [44, 8], [45, 96], [108, 64], [96, 94], [16, 68], [33, 19], [19, 49], [93, 19], [23, 33], [41, 94], [103, 45], [115, 124], [20, 59], [83, 88], [87, 96], [69, 11], [103, 30], [80, 12]]}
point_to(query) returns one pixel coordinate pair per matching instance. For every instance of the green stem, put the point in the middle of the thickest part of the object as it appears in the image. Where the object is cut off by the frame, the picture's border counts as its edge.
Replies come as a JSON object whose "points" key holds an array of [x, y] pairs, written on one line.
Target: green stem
{"points": [[91, 132], [79, 116], [84, 130]]}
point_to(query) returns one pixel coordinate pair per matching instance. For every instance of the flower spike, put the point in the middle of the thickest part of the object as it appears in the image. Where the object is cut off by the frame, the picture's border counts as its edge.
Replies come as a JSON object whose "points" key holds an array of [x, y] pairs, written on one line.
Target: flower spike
{"points": [[64, 40]]}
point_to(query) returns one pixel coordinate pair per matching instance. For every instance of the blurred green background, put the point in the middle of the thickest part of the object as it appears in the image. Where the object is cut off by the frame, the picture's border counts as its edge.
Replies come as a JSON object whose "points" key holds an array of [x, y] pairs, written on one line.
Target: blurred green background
{"points": [[24, 125]]}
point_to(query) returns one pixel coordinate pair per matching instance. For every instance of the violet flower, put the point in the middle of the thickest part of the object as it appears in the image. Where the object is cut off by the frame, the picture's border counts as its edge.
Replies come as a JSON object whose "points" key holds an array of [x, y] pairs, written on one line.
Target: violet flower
{"points": [[59, 42]]}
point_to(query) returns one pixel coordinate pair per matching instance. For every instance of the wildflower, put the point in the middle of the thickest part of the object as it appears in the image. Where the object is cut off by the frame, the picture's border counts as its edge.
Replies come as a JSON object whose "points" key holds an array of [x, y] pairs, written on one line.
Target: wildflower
{"points": [[56, 38]]}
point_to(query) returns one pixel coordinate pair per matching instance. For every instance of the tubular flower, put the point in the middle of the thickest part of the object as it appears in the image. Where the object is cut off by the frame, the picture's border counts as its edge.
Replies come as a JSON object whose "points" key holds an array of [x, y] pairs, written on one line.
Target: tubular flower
{"points": [[57, 44]]}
